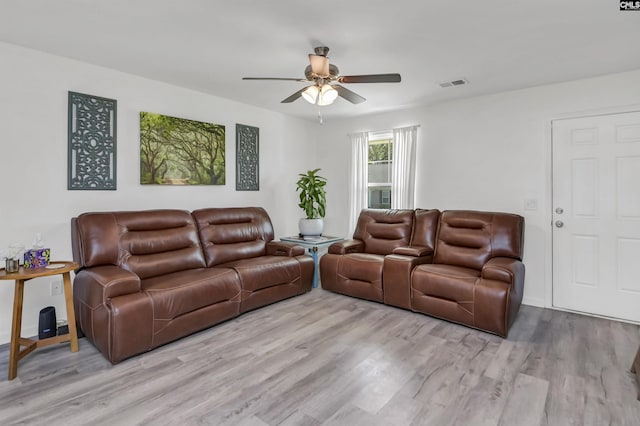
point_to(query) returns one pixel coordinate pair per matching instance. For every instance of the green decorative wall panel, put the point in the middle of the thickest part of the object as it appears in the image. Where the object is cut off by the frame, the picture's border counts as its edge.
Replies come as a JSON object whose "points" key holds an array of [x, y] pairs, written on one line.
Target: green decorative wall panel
{"points": [[247, 158], [92, 142]]}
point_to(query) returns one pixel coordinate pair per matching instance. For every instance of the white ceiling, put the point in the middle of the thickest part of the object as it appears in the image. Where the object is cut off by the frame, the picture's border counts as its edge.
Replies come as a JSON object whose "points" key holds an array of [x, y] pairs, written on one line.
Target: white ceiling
{"points": [[208, 45]]}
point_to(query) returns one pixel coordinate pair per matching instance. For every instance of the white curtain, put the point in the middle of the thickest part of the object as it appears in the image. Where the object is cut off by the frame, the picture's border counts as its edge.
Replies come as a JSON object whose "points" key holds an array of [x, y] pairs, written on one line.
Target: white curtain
{"points": [[403, 168], [358, 190]]}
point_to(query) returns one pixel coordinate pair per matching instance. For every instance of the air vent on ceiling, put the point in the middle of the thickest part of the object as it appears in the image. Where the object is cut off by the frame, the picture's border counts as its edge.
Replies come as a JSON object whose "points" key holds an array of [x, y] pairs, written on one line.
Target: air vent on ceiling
{"points": [[458, 82]]}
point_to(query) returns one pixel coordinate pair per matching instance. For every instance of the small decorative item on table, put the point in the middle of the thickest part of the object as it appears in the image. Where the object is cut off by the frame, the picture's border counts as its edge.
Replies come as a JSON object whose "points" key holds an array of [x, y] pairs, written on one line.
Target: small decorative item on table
{"points": [[11, 265], [37, 258], [12, 258]]}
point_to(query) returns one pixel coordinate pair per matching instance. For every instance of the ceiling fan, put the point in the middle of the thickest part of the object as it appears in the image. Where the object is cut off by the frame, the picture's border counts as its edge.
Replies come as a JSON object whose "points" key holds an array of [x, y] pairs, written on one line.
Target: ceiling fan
{"points": [[325, 77]]}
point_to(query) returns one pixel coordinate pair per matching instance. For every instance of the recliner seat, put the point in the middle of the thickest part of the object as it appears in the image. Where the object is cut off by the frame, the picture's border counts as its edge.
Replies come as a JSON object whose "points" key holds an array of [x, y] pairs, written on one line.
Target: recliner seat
{"points": [[477, 274], [354, 267]]}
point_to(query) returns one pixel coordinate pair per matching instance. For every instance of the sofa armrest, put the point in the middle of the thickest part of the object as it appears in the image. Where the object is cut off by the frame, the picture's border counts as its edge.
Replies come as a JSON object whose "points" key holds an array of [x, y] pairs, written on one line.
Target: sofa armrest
{"points": [[501, 286], [396, 277], [113, 312], [503, 269], [98, 284], [414, 251], [346, 246], [282, 248]]}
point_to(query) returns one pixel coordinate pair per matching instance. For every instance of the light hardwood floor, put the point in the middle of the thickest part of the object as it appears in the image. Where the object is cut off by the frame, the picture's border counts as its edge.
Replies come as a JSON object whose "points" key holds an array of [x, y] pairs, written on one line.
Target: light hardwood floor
{"points": [[327, 359]]}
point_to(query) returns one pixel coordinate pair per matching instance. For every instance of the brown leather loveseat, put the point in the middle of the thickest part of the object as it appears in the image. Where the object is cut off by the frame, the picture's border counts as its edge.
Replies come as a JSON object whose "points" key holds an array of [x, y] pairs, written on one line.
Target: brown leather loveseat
{"points": [[462, 266], [147, 278]]}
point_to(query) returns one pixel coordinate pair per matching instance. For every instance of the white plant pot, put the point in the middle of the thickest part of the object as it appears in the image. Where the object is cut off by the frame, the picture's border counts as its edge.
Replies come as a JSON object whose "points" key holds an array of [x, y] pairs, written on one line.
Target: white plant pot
{"points": [[311, 227]]}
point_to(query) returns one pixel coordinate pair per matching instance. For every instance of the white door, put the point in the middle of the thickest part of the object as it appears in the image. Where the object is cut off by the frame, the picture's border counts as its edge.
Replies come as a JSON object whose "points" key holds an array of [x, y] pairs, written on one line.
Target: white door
{"points": [[596, 215]]}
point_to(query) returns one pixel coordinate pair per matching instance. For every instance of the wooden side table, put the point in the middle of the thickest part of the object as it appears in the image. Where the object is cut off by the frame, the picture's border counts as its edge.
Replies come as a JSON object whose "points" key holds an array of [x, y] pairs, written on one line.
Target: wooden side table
{"points": [[313, 245], [20, 277]]}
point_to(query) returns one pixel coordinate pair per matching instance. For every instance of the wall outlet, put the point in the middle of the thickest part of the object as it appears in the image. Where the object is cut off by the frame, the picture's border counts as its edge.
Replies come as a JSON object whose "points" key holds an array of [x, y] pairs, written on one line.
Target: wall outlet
{"points": [[56, 287]]}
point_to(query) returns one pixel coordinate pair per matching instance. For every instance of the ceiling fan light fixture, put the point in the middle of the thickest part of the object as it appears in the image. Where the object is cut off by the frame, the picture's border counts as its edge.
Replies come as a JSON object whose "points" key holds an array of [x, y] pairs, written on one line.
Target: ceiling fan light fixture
{"points": [[319, 65], [320, 95], [310, 94], [327, 95]]}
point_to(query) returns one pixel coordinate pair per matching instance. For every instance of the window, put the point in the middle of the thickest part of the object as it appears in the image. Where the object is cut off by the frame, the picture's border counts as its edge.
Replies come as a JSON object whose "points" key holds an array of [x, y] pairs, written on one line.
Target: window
{"points": [[379, 170], [382, 172]]}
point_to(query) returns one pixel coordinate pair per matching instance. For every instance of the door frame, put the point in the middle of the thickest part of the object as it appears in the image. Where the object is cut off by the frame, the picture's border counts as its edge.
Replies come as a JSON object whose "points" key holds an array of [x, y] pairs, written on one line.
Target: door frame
{"points": [[548, 216]]}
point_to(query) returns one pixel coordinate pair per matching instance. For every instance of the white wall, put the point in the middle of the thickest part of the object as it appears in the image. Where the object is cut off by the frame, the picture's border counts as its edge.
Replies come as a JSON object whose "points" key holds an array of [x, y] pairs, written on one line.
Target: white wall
{"points": [[484, 153], [33, 159]]}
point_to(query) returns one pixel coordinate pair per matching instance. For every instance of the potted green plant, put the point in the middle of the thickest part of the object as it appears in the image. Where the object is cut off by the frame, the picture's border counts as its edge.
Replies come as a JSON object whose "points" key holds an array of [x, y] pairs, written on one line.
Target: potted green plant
{"points": [[313, 200]]}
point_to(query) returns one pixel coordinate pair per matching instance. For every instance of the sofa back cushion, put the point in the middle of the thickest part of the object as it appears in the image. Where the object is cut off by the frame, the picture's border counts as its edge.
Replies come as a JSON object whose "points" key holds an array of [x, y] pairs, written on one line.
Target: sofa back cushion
{"points": [[471, 238], [425, 228], [229, 234], [147, 243], [383, 230]]}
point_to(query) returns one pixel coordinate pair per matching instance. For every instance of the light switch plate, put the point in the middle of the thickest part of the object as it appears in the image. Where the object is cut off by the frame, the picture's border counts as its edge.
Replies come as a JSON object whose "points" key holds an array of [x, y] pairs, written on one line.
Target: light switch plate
{"points": [[531, 204]]}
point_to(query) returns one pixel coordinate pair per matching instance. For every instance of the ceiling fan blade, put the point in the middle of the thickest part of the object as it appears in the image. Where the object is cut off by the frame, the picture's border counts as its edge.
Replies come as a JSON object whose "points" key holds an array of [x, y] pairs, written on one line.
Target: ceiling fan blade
{"points": [[371, 78], [347, 94], [293, 97], [274, 78]]}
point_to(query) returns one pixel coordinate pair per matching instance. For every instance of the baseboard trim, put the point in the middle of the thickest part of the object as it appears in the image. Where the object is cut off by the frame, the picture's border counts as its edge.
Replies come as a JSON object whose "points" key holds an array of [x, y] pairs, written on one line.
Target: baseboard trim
{"points": [[533, 301], [589, 314]]}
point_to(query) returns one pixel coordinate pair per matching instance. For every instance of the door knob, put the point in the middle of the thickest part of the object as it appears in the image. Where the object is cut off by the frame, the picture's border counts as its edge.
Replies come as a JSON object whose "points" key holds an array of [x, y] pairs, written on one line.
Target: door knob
{"points": [[559, 224], [559, 210]]}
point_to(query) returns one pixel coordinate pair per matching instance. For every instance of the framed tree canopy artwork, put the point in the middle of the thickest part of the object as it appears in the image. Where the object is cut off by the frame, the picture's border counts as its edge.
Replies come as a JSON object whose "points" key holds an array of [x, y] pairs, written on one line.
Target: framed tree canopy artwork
{"points": [[177, 151]]}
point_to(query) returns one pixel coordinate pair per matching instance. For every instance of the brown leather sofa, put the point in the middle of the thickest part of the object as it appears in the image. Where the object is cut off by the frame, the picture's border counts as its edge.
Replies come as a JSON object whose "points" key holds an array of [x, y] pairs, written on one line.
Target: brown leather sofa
{"points": [[462, 266], [147, 278]]}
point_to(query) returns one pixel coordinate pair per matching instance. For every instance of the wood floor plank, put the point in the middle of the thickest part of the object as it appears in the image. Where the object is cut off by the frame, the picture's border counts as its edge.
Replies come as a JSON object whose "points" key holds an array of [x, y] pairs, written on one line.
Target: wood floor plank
{"points": [[566, 401], [484, 403], [529, 396], [400, 410], [353, 416], [299, 419], [327, 359]]}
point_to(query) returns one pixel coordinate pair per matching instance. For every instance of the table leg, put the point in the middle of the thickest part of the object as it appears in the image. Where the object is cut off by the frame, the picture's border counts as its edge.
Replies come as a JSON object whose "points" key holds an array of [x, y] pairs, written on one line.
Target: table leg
{"points": [[16, 329], [71, 317], [314, 254]]}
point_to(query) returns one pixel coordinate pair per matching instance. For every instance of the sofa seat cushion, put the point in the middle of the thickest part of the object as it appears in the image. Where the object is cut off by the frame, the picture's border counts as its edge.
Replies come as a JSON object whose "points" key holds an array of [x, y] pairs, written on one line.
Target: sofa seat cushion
{"points": [[354, 274], [455, 283], [182, 292], [362, 267], [265, 271]]}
